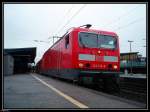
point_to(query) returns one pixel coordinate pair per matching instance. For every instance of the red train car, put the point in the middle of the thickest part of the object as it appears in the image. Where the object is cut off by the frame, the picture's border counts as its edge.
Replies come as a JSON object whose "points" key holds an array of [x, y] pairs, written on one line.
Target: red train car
{"points": [[38, 66], [84, 53]]}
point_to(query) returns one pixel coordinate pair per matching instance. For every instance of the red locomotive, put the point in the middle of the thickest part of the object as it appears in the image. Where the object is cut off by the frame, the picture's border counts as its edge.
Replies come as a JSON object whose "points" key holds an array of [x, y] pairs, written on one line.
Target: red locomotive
{"points": [[84, 55]]}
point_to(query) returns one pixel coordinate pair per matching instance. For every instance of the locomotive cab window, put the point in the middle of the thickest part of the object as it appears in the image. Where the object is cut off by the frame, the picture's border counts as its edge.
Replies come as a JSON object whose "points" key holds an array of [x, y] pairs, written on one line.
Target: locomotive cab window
{"points": [[92, 40], [67, 41]]}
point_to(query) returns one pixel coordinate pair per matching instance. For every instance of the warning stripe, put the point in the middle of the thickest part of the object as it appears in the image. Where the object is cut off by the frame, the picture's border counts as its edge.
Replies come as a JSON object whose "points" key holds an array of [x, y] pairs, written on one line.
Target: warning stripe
{"points": [[70, 99]]}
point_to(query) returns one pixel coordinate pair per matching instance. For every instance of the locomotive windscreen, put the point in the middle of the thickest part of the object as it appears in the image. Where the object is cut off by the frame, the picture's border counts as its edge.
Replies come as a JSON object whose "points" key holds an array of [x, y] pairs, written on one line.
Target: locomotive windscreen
{"points": [[93, 40]]}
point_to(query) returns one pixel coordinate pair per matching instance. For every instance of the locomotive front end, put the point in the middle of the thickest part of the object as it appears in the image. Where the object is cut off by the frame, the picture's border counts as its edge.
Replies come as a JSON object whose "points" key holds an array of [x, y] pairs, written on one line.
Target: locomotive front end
{"points": [[98, 52], [98, 55]]}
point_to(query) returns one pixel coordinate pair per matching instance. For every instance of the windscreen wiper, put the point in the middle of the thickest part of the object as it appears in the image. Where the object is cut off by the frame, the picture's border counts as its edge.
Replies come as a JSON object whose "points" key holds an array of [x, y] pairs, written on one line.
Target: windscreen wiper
{"points": [[83, 45]]}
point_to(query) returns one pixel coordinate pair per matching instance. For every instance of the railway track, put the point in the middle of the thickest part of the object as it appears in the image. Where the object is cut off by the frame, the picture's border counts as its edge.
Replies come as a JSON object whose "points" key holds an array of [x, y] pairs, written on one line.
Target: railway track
{"points": [[140, 97], [133, 90]]}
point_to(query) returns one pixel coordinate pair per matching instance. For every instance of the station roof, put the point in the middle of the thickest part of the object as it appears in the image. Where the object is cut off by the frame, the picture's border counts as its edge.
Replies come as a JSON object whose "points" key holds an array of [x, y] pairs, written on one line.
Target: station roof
{"points": [[29, 53], [127, 53]]}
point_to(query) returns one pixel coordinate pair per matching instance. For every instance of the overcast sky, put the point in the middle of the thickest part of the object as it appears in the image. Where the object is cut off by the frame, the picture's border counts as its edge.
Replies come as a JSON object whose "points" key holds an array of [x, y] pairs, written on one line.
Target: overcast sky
{"points": [[24, 23]]}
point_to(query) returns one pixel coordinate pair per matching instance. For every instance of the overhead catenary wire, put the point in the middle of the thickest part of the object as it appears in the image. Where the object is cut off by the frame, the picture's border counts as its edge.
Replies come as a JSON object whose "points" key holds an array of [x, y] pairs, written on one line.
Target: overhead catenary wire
{"points": [[77, 12], [72, 18], [67, 13], [122, 16], [32, 40], [62, 20], [129, 24], [127, 13]]}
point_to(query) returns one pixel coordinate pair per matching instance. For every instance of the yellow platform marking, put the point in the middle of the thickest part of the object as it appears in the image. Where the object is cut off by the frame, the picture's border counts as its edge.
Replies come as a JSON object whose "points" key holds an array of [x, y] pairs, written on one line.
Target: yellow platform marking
{"points": [[70, 99]]}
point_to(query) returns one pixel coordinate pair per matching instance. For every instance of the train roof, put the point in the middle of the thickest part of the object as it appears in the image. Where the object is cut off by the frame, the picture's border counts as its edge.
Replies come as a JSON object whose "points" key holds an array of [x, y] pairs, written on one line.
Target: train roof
{"points": [[84, 30], [95, 31]]}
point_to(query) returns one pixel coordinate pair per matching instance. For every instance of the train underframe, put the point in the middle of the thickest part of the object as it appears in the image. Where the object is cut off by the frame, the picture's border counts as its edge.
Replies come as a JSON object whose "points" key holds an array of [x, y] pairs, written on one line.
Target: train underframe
{"points": [[107, 80]]}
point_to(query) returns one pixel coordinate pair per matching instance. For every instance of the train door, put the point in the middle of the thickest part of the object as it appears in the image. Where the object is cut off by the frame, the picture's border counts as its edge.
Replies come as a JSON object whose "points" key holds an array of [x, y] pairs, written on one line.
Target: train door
{"points": [[59, 59], [68, 51]]}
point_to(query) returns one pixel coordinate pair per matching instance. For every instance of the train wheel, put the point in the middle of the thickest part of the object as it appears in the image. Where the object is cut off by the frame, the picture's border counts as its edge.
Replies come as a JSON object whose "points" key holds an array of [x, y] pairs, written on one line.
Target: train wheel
{"points": [[106, 86], [110, 86], [97, 83], [80, 81], [116, 85]]}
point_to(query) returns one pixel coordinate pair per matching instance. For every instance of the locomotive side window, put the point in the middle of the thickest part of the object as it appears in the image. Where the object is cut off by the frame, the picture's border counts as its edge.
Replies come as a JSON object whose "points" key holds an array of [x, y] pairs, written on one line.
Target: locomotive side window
{"points": [[67, 41]]}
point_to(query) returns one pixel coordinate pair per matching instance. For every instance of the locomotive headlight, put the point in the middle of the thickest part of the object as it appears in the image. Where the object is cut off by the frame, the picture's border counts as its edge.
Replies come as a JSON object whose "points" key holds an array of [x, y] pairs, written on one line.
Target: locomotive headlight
{"points": [[115, 66], [99, 52], [80, 65], [104, 66]]}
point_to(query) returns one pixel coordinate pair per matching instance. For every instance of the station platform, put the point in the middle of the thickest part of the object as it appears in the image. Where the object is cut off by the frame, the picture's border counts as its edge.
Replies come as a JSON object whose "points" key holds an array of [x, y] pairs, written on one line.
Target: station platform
{"points": [[142, 76], [34, 91]]}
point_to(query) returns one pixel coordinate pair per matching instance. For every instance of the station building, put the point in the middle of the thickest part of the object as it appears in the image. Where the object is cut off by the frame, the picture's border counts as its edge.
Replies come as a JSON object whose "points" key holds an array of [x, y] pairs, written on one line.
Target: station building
{"points": [[134, 60]]}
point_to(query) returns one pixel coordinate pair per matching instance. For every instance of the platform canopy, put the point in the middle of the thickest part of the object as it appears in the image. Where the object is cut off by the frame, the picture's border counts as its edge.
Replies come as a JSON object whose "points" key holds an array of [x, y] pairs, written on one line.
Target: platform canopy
{"points": [[22, 57], [127, 53], [26, 53]]}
